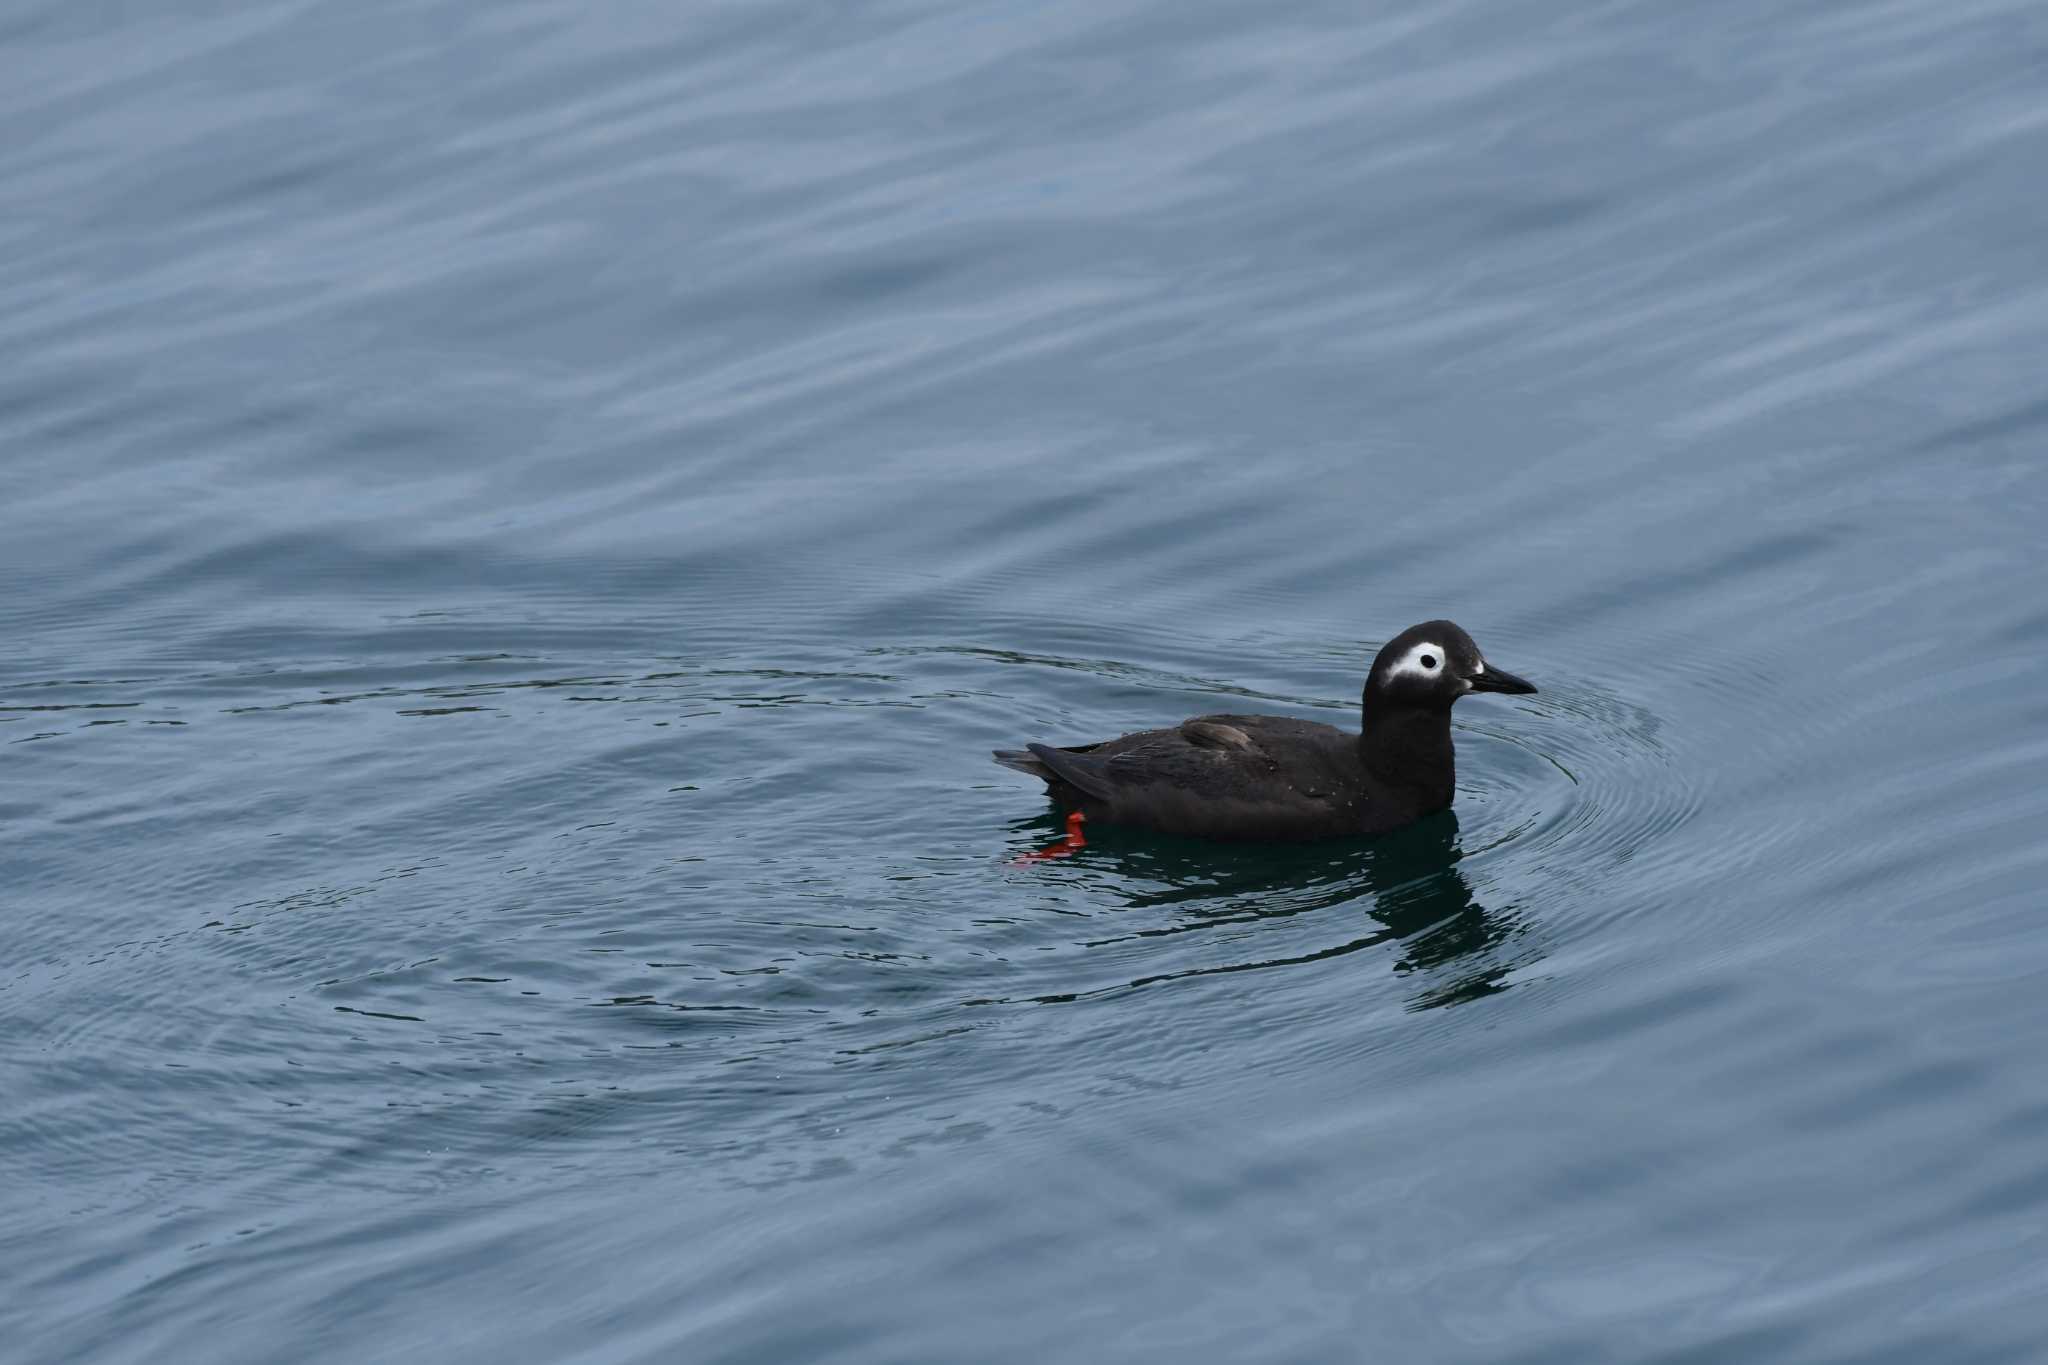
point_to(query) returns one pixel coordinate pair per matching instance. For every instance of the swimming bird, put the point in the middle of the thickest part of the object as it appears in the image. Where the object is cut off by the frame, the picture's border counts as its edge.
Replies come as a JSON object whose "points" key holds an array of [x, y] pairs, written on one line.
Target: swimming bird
{"points": [[1278, 779]]}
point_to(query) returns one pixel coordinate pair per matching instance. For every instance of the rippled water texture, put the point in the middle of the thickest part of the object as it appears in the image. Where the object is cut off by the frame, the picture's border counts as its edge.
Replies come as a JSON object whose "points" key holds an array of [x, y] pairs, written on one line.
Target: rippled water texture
{"points": [[522, 523]]}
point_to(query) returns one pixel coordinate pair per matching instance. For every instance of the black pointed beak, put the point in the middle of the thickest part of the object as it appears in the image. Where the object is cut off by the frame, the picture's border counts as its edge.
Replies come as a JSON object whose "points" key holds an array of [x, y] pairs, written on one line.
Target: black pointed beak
{"points": [[1499, 680]]}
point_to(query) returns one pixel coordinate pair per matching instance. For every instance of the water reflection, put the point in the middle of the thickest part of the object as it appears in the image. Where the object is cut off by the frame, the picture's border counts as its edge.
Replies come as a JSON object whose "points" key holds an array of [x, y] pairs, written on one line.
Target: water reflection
{"points": [[1408, 883]]}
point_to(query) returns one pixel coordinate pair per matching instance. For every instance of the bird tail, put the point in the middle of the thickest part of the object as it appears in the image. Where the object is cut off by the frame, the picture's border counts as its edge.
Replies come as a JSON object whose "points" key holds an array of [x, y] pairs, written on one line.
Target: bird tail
{"points": [[1023, 761]]}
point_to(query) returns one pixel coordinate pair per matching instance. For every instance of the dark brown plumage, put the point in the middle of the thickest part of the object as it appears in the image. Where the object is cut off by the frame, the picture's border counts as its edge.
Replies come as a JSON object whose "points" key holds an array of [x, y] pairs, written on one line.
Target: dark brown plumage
{"points": [[1278, 779]]}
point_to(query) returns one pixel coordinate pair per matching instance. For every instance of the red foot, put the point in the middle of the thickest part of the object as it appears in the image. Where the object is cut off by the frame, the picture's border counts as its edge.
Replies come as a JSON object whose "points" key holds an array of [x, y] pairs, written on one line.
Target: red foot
{"points": [[1059, 848]]}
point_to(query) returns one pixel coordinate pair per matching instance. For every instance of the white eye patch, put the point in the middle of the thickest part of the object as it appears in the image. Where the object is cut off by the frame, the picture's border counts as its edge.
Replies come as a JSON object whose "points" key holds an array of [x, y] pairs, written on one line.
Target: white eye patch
{"points": [[1424, 661]]}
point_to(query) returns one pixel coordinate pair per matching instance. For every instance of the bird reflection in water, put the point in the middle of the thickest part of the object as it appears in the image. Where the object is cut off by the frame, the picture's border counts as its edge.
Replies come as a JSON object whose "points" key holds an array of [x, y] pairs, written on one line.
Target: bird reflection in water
{"points": [[1408, 881]]}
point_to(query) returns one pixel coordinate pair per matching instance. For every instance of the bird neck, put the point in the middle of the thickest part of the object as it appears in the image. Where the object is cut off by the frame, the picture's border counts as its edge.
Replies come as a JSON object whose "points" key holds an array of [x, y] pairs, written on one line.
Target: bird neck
{"points": [[1410, 748]]}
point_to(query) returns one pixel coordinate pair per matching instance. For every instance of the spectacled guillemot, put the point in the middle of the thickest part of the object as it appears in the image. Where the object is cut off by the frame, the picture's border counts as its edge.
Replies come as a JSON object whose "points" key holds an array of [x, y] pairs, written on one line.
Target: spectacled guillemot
{"points": [[1274, 778]]}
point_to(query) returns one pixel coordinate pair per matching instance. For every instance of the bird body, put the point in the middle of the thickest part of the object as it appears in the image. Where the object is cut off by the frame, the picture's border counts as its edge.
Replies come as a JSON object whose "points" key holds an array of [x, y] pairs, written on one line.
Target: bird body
{"points": [[1279, 779]]}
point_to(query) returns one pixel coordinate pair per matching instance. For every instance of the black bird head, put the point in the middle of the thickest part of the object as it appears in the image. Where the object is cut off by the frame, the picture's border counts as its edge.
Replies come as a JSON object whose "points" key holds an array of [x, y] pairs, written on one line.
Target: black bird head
{"points": [[1432, 665]]}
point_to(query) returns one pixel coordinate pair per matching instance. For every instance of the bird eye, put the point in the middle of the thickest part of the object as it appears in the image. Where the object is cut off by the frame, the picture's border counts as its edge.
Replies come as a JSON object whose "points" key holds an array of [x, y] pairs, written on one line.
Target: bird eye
{"points": [[1429, 661]]}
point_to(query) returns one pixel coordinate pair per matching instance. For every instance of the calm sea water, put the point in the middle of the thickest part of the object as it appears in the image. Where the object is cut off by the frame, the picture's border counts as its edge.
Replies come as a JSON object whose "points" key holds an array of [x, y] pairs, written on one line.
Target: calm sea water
{"points": [[520, 525]]}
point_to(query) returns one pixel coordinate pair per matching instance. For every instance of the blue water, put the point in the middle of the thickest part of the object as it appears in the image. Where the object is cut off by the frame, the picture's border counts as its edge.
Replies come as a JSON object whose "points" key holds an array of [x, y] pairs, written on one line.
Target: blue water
{"points": [[520, 525]]}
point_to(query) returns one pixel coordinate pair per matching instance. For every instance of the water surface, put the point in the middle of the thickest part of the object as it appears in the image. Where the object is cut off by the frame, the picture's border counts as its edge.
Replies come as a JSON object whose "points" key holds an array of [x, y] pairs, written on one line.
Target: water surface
{"points": [[521, 525]]}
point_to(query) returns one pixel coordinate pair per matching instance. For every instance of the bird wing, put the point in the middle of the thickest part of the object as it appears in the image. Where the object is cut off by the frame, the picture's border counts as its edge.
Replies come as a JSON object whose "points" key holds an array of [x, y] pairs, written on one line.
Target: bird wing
{"points": [[1208, 752], [1215, 734], [1086, 772], [1296, 754]]}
